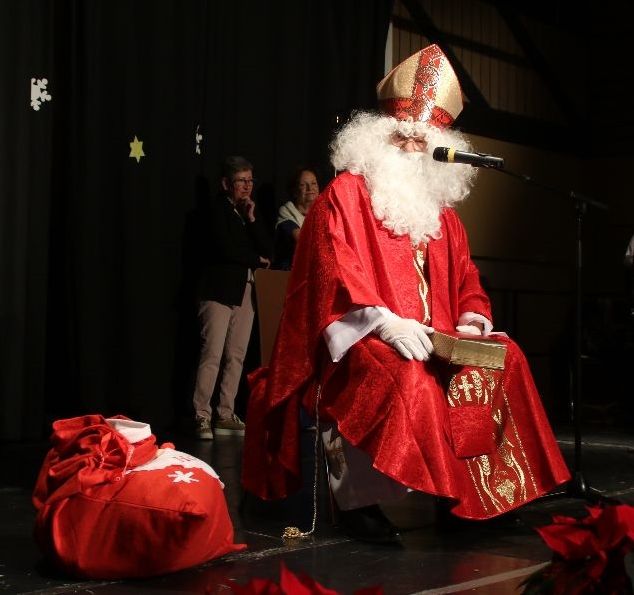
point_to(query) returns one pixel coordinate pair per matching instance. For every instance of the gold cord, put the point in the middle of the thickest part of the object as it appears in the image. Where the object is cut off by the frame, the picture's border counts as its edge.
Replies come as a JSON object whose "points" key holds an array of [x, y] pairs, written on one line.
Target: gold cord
{"points": [[294, 532], [423, 288]]}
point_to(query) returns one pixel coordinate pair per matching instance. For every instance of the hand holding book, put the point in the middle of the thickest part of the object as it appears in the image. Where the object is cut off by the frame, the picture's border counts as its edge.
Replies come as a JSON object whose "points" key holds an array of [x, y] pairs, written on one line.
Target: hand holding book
{"points": [[408, 336]]}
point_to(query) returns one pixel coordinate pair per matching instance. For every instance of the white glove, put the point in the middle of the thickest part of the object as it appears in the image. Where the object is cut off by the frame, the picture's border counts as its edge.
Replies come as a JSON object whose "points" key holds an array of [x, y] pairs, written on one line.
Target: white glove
{"points": [[407, 336], [469, 329]]}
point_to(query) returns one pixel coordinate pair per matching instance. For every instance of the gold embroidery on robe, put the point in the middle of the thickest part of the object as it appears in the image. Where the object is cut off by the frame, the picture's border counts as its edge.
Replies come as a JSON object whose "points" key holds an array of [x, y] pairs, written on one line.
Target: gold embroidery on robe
{"points": [[500, 479], [472, 383], [423, 287], [519, 443]]}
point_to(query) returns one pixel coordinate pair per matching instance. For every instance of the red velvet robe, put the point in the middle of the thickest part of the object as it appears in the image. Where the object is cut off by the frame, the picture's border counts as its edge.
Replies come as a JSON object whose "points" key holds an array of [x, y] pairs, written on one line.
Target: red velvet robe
{"points": [[397, 411]]}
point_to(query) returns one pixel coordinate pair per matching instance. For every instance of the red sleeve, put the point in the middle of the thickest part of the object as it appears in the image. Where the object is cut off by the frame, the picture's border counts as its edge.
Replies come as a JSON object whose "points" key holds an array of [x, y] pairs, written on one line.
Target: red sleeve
{"points": [[330, 276]]}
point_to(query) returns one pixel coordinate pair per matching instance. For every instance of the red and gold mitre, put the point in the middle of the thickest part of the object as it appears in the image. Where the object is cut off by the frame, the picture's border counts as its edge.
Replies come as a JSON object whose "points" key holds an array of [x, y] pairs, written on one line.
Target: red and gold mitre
{"points": [[424, 87]]}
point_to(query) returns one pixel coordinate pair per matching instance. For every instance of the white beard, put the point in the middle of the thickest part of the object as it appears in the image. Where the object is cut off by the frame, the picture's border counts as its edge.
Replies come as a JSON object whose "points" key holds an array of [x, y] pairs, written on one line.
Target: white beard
{"points": [[407, 190]]}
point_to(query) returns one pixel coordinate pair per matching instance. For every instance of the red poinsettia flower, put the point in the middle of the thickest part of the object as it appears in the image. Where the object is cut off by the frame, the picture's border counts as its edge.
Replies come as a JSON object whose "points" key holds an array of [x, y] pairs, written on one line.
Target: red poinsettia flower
{"points": [[292, 584], [588, 553], [606, 529]]}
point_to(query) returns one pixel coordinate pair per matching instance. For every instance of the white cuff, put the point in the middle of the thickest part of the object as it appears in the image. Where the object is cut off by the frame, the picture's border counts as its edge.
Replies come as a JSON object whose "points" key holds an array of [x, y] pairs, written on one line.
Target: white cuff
{"points": [[352, 327]]}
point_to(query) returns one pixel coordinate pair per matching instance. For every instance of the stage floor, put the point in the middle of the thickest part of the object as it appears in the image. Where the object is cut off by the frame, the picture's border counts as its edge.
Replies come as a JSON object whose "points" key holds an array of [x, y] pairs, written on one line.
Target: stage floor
{"points": [[490, 557]]}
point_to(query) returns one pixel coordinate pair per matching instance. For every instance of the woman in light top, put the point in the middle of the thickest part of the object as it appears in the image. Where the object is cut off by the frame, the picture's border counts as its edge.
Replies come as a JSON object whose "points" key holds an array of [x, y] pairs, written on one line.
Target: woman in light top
{"points": [[304, 188]]}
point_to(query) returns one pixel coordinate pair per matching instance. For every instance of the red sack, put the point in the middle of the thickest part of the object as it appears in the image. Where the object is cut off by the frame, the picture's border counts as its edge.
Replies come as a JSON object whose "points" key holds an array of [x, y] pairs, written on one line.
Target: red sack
{"points": [[112, 505]]}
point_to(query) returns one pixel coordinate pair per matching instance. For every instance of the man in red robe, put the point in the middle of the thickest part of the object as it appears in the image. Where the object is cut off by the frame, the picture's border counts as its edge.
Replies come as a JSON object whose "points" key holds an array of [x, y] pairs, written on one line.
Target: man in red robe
{"points": [[382, 261]]}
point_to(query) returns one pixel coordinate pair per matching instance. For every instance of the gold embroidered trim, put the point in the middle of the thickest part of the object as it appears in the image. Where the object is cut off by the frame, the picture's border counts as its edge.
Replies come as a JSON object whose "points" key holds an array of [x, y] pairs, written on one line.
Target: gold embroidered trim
{"points": [[423, 288], [499, 479]]}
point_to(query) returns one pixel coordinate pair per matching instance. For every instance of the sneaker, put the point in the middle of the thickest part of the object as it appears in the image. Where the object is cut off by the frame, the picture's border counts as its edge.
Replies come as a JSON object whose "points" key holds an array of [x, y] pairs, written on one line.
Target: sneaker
{"points": [[231, 426], [203, 429]]}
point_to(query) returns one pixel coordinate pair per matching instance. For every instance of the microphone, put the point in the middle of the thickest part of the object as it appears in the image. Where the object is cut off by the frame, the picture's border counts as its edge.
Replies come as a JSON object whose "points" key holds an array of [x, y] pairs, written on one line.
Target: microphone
{"points": [[447, 155]]}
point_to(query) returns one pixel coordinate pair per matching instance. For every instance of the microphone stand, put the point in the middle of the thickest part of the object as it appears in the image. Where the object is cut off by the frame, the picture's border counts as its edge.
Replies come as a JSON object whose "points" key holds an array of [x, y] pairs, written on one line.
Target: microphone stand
{"points": [[578, 487]]}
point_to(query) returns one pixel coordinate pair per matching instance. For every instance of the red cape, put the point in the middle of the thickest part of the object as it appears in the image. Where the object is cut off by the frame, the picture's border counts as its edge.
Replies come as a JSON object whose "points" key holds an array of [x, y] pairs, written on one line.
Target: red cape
{"points": [[393, 409]]}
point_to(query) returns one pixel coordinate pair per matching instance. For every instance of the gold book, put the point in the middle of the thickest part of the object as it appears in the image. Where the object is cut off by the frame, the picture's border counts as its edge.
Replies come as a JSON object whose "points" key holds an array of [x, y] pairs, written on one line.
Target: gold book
{"points": [[468, 350]]}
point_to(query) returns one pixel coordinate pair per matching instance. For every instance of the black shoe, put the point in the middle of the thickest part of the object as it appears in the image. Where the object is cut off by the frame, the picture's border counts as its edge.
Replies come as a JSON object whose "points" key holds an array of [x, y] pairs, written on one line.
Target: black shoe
{"points": [[445, 520], [368, 524]]}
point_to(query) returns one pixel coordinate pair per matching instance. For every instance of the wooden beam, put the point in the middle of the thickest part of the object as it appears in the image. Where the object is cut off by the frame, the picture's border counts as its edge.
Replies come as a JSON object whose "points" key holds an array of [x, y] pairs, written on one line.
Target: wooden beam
{"points": [[467, 44], [540, 134], [540, 65], [571, 16], [518, 129], [427, 28]]}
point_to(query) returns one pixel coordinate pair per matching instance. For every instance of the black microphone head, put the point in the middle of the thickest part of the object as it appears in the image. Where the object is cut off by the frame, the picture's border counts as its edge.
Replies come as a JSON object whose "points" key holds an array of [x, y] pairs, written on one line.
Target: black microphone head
{"points": [[440, 154]]}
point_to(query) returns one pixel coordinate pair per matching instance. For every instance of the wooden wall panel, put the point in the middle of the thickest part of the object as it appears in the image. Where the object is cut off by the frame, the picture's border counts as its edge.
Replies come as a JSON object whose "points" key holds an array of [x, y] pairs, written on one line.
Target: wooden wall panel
{"points": [[563, 77], [493, 57]]}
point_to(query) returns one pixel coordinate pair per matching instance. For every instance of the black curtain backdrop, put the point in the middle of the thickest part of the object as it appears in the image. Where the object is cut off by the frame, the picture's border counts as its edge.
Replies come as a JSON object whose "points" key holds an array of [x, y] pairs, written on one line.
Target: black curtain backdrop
{"points": [[95, 309]]}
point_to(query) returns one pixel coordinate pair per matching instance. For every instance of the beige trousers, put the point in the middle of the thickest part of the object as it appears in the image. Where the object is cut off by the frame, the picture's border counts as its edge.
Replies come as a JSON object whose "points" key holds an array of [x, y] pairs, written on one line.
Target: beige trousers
{"points": [[225, 333], [353, 481]]}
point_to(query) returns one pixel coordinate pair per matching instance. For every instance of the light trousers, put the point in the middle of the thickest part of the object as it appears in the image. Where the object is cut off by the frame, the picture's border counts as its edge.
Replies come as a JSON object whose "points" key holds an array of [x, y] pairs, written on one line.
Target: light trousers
{"points": [[353, 481], [225, 333]]}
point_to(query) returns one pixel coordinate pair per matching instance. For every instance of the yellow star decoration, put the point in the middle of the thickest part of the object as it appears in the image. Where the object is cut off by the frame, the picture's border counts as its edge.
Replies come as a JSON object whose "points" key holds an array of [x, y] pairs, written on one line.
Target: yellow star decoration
{"points": [[136, 149]]}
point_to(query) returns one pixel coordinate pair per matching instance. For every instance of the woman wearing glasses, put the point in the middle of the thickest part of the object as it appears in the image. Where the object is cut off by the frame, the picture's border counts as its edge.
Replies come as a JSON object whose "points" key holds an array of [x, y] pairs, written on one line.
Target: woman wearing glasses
{"points": [[233, 242]]}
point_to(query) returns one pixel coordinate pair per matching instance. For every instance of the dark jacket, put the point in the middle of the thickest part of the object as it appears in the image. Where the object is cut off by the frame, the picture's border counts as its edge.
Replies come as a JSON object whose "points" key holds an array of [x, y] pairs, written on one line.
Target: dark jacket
{"points": [[228, 246], [284, 245]]}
